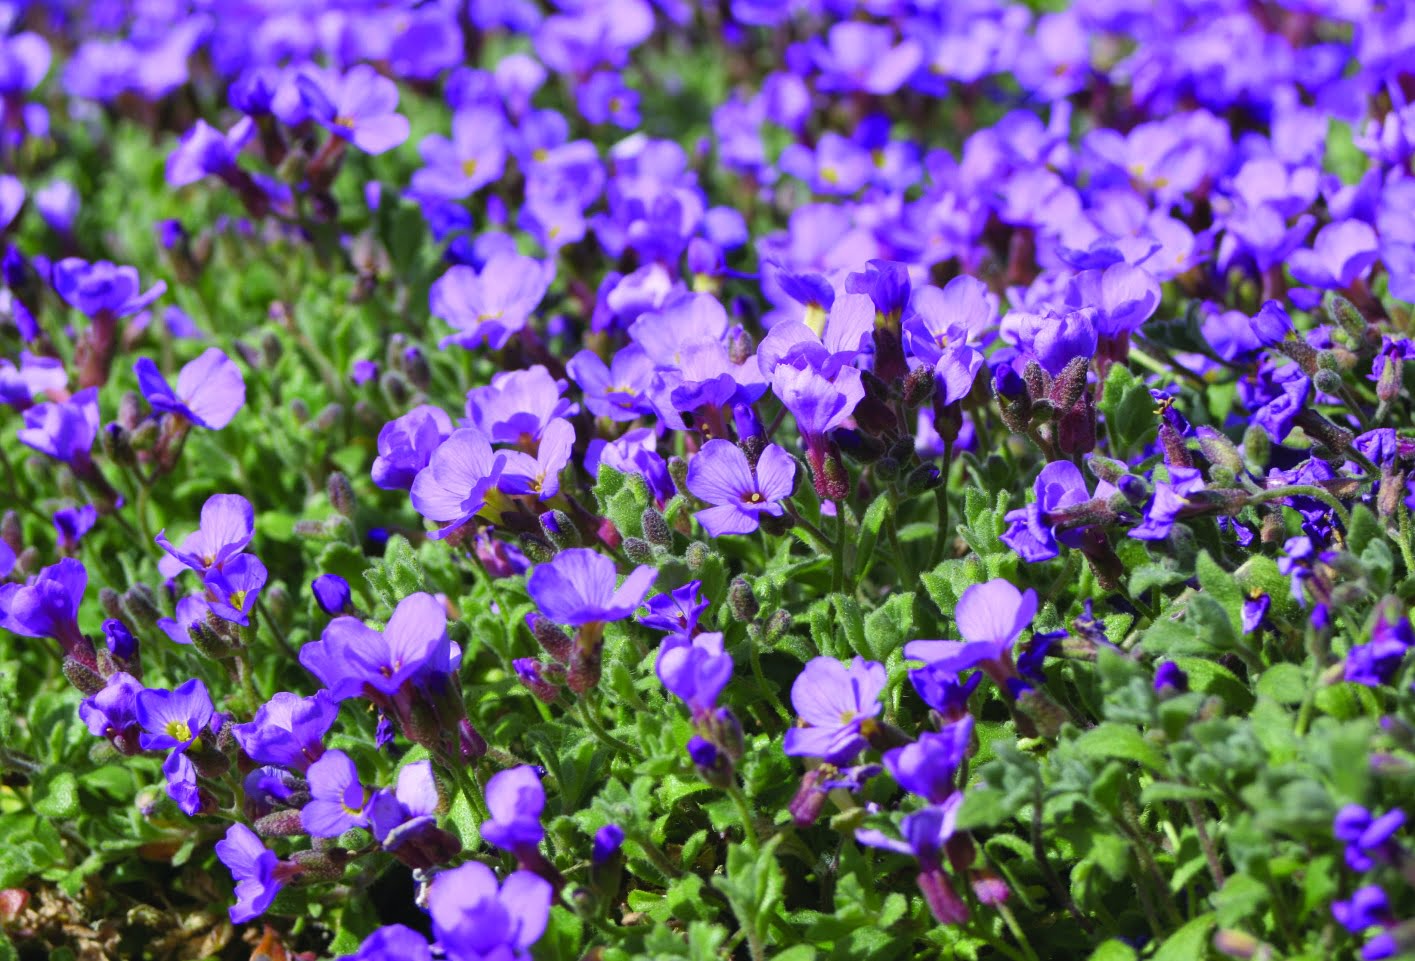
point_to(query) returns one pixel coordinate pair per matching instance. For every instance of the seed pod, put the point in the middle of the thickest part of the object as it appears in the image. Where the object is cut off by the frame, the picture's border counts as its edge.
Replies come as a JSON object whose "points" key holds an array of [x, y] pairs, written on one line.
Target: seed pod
{"points": [[1389, 384], [696, 556], [300, 411], [281, 824], [419, 374], [1344, 312], [536, 549], [741, 601], [1327, 381]]}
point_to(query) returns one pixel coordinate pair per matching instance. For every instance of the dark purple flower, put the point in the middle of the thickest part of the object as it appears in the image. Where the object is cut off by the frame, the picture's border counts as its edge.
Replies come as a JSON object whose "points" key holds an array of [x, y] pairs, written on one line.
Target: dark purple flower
{"points": [[837, 702], [210, 390], [578, 587], [47, 605], [360, 107], [351, 657], [720, 475], [1029, 532], [676, 612], [1170, 678], [1054, 338], [72, 523], [1369, 839], [1170, 498], [227, 526], [102, 288], [941, 689], [1377, 661], [333, 594], [36, 375], [121, 642], [288, 730], [406, 445], [1255, 609], [113, 711], [205, 151], [182, 787], [474, 918], [254, 869], [924, 832], [414, 798], [1367, 907], [176, 718], [929, 766], [515, 800], [1122, 297], [607, 842], [694, 669], [338, 800], [454, 486], [864, 57]]}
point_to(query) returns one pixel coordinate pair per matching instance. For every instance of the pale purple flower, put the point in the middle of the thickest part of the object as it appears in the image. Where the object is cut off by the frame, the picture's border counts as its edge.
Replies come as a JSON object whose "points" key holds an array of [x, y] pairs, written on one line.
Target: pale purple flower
{"points": [[990, 617], [540, 475], [836, 701], [210, 389], [578, 587], [227, 526], [694, 669], [492, 304], [338, 800], [453, 487], [720, 475], [361, 107]]}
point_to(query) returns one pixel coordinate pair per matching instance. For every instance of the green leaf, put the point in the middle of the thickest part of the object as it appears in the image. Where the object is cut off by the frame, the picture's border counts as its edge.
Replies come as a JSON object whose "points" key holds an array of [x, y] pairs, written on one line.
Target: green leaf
{"points": [[1128, 409], [1283, 683], [1114, 951], [1189, 943], [1219, 584], [888, 627], [1111, 740], [753, 884], [1241, 896], [1364, 529], [57, 796]]}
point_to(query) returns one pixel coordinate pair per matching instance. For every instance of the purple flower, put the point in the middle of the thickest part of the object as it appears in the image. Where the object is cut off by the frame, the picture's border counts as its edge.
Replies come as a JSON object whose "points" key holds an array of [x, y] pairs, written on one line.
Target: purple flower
{"points": [[1170, 678], [1377, 661], [1122, 296], [405, 446], [924, 832], [210, 390], [1255, 609], [515, 800], [940, 327], [1170, 498], [58, 204], [837, 702], [182, 787], [990, 617], [102, 288], [392, 941], [227, 525], [1054, 339], [120, 641], [1369, 839], [490, 305], [941, 689], [359, 107], [1367, 907], [35, 375], [518, 405], [288, 730], [254, 868], [333, 594], [719, 474], [12, 198], [694, 669], [205, 151], [47, 605], [176, 718], [475, 156], [337, 798], [474, 918], [351, 657], [819, 405], [1058, 486], [607, 842], [864, 57], [397, 816], [454, 485], [578, 587], [1342, 252], [113, 711], [540, 475], [825, 349], [676, 612], [619, 390], [1278, 414], [929, 766], [190, 610], [605, 98], [72, 523], [233, 588], [64, 430]]}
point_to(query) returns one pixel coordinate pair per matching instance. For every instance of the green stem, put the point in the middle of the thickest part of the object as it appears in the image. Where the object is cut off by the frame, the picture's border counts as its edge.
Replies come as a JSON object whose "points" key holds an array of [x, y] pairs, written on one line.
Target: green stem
{"points": [[822, 542], [837, 580], [1305, 490], [1404, 542], [1009, 919], [603, 736], [754, 635], [469, 791], [941, 539], [749, 829], [274, 628]]}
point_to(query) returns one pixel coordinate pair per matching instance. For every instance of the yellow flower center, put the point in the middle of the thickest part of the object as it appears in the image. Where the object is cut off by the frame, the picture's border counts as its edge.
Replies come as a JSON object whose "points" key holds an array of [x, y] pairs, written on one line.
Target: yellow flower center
{"points": [[346, 122], [178, 730], [469, 167], [830, 175]]}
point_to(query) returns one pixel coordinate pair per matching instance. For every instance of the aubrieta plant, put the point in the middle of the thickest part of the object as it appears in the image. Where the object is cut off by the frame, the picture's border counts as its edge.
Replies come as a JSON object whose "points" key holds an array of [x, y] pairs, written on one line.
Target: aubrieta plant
{"points": [[634, 480]]}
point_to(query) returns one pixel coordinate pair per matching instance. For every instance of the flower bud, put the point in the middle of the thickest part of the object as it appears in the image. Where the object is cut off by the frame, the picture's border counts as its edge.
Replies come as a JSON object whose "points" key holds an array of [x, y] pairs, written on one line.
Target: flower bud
{"points": [[550, 636], [111, 602], [1220, 451], [141, 605], [559, 529], [656, 528], [415, 365], [678, 471], [82, 676], [1067, 387], [1257, 447], [341, 493], [923, 478], [328, 418], [712, 765], [281, 824], [778, 625], [300, 411], [943, 901], [531, 674], [318, 865], [1344, 312], [584, 670], [696, 556], [1327, 381], [535, 548], [1389, 384], [919, 387], [810, 797], [638, 550], [741, 601], [144, 438], [396, 388]]}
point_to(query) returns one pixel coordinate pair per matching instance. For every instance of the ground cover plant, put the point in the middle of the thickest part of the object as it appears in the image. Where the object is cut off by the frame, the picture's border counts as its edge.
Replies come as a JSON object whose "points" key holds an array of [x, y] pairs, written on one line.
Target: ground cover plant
{"points": [[791, 479]]}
